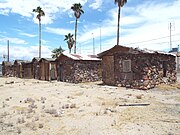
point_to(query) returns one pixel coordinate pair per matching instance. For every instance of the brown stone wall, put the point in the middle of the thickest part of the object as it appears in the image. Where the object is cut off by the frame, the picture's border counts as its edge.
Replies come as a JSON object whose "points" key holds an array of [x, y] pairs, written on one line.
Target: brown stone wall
{"points": [[80, 71], [147, 70], [8, 70], [68, 71], [87, 71]]}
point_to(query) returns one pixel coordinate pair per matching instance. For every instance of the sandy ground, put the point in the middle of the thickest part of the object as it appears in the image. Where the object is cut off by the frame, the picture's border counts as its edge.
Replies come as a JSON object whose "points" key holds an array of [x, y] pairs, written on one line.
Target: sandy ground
{"points": [[33, 107]]}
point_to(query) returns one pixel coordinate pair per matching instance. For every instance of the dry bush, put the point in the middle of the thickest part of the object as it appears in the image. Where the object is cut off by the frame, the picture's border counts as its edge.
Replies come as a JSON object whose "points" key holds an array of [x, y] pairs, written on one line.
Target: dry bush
{"points": [[140, 96]]}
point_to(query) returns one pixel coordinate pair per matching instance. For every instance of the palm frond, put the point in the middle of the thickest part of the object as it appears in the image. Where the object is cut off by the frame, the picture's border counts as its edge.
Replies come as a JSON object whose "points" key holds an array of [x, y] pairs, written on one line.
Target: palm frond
{"points": [[77, 8], [120, 3], [40, 13]]}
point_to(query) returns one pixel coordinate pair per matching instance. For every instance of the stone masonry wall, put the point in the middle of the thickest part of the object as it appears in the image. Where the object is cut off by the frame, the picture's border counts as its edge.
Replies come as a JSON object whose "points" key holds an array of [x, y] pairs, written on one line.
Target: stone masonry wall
{"points": [[147, 70], [8, 71], [82, 71]]}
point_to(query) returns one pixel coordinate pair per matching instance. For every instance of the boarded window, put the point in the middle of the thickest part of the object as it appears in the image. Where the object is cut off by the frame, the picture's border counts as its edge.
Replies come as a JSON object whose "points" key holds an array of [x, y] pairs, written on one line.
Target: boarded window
{"points": [[126, 65]]}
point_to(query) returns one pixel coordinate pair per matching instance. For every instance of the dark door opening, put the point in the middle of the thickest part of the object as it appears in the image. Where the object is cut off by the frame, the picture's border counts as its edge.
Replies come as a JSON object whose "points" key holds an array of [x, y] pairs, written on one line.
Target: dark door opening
{"points": [[164, 69], [61, 71]]}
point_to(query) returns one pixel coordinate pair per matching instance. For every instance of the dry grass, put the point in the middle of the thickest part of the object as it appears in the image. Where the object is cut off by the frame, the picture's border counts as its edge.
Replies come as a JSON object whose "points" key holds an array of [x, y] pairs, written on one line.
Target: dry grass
{"points": [[78, 93], [19, 108], [177, 99], [169, 87]]}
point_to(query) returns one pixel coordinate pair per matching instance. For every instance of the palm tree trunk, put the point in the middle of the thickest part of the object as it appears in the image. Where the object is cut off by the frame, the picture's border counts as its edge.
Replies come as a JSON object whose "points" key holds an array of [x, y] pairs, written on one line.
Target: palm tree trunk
{"points": [[119, 12], [75, 37], [39, 39]]}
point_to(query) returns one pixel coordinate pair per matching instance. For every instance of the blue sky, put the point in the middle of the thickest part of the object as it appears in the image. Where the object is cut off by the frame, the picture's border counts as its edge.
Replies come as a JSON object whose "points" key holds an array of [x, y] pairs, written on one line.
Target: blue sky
{"points": [[141, 20]]}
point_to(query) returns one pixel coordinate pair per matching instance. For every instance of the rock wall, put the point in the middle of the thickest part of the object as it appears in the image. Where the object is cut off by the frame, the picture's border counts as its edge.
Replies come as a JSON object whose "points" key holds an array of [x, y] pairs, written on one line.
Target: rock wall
{"points": [[8, 71], [147, 70], [82, 71]]}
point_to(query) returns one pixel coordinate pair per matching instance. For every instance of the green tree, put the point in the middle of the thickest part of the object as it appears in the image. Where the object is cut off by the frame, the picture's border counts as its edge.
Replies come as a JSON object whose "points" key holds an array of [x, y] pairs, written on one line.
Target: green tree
{"points": [[57, 52], [40, 13], [120, 3], [70, 41], [77, 8]]}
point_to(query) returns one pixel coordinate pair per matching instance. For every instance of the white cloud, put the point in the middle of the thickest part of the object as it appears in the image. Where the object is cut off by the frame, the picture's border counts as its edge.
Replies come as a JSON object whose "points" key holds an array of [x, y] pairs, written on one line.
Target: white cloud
{"points": [[59, 31], [25, 52], [153, 23], [4, 11], [44, 42], [27, 34], [96, 5], [25, 7], [21, 7], [13, 40], [144, 22]]}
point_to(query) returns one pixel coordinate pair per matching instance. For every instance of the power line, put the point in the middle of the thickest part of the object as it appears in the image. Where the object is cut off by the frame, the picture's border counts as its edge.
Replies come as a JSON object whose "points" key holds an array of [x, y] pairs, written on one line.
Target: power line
{"points": [[152, 39], [162, 42]]}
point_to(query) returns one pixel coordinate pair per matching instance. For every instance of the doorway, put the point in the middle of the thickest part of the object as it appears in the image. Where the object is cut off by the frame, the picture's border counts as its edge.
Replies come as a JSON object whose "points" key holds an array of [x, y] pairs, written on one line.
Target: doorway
{"points": [[61, 73], [164, 69]]}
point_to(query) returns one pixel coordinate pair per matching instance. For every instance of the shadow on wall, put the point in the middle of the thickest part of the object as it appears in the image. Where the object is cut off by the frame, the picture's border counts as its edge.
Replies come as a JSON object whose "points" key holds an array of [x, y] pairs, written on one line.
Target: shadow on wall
{"points": [[0, 70]]}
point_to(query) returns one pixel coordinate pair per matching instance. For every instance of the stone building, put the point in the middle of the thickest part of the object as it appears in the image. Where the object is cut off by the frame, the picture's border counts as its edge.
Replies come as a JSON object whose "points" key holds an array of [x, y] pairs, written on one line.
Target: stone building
{"points": [[7, 68], [77, 68], [135, 68]]}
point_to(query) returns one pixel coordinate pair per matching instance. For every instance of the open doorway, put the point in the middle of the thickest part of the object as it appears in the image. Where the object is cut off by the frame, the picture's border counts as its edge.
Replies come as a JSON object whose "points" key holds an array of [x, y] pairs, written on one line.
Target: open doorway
{"points": [[61, 73], [164, 68]]}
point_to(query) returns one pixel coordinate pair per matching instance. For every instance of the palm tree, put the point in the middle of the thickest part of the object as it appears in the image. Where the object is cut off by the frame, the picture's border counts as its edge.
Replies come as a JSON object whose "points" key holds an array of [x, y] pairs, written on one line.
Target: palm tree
{"points": [[77, 8], [70, 41], [120, 4], [57, 52], [40, 13]]}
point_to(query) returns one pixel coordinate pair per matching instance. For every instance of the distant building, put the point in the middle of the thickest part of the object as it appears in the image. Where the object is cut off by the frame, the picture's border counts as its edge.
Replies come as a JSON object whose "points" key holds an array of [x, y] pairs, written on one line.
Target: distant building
{"points": [[0, 69], [135, 68], [7, 68], [177, 53], [174, 50]]}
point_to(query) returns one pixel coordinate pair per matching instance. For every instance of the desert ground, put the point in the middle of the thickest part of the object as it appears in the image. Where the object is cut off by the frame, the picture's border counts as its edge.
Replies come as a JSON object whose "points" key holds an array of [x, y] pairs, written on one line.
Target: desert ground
{"points": [[33, 107]]}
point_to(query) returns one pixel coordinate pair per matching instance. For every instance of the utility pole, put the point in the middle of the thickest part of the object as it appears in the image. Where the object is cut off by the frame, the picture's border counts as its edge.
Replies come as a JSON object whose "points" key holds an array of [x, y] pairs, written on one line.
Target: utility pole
{"points": [[171, 28], [79, 48], [100, 37], [8, 50], [93, 45], [170, 42]]}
